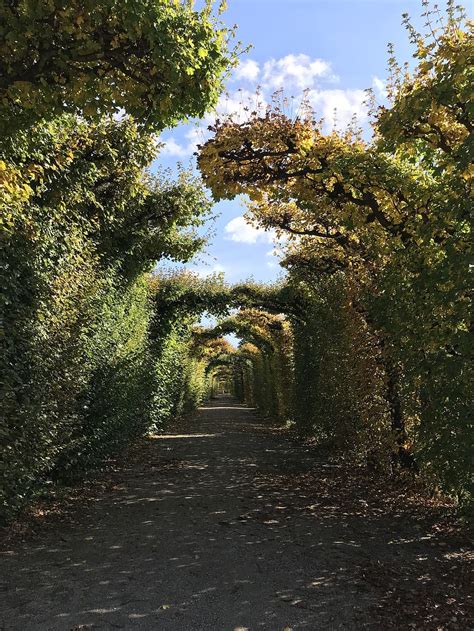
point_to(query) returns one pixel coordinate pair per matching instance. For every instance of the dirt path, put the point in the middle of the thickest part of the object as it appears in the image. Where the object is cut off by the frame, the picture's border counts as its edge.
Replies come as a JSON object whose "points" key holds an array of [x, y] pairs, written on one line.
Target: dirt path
{"points": [[224, 528]]}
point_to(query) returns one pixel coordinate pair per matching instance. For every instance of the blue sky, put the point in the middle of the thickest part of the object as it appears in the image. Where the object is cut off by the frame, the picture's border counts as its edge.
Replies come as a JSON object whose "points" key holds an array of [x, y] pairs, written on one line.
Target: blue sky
{"points": [[333, 48]]}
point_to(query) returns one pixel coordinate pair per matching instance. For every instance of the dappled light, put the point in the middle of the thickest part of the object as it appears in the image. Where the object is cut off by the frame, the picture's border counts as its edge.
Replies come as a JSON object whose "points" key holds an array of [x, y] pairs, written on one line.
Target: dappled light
{"points": [[181, 450], [171, 436], [244, 529]]}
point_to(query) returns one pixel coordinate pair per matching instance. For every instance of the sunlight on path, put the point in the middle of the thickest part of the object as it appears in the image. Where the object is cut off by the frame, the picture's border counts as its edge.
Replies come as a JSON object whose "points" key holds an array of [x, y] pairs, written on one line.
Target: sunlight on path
{"points": [[209, 532], [168, 436]]}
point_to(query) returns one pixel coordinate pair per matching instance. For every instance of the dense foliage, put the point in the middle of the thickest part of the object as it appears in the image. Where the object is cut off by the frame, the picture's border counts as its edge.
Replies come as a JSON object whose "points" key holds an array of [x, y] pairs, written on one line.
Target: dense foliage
{"points": [[377, 249], [79, 371], [362, 347], [86, 366], [157, 60], [261, 368]]}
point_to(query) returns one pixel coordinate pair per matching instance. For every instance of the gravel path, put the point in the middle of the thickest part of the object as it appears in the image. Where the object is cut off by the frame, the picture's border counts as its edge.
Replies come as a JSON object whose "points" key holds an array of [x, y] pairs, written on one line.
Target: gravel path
{"points": [[205, 533]]}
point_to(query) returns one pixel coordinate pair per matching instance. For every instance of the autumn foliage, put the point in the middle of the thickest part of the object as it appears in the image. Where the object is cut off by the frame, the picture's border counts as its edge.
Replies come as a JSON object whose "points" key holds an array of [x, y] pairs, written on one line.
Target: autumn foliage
{"points": [[85, 365], [377, 251], [362, 347]]}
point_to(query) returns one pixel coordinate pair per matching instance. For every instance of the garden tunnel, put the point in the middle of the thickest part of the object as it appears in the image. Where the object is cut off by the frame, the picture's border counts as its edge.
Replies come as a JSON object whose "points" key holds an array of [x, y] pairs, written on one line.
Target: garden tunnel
{"points": [[255, 370], [97, 348]]}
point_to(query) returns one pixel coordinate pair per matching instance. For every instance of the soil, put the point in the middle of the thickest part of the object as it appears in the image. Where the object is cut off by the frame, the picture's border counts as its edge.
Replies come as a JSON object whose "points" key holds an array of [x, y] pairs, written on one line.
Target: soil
{"points": [[232, 525]]}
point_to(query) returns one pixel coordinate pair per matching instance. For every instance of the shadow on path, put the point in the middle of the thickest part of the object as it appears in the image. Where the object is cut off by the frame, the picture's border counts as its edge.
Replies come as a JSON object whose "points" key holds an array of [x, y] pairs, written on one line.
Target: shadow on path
{"points": [[207, 533]]}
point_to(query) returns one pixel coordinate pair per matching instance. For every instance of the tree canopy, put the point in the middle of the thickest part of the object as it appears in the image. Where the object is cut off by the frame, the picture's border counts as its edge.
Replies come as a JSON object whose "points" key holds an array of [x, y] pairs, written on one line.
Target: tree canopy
{"points": [[363, 345], [157, 60], [377, 236]]}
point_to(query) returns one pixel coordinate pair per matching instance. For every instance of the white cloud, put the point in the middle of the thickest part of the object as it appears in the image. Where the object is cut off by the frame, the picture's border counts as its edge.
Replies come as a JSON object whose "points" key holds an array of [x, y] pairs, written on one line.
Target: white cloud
{"points": [[273, 254], [207, 271], [380, 87], [192, 138], [277, 252], [239, 230], [173, 148], [248, 70], [300, 71], [345, 102], [295, 73], [239, 103]]}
